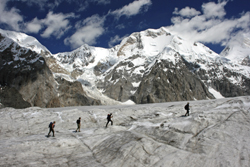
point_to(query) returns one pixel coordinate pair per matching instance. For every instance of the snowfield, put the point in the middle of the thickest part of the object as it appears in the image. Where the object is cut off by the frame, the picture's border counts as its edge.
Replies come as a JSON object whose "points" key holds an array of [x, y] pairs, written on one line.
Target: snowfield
{"points": [[217, 133]]}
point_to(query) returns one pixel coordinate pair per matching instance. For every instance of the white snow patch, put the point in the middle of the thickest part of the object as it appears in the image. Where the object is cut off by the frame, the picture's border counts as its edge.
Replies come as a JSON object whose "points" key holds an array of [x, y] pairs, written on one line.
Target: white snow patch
{"points": [[215, 93]]}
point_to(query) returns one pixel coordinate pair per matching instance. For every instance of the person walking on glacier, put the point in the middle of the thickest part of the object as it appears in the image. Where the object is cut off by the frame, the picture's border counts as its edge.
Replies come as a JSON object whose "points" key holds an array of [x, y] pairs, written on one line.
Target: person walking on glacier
{"points": [[187, 108], [109, 116], [78, 122], [51, 128]]}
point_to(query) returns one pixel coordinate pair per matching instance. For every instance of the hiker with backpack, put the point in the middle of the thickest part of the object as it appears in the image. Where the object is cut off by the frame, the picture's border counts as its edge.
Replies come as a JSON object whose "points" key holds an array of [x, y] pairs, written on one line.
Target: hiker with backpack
{"points": [[187, 108], [109, 116], [78, 122], [51, 128]]}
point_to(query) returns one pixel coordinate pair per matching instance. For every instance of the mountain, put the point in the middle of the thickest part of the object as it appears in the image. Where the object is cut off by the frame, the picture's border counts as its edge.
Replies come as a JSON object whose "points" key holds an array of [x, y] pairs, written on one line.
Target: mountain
{"points": [[238, 49], [26, 80], [217, 133], [156, 66], [151, 66]]}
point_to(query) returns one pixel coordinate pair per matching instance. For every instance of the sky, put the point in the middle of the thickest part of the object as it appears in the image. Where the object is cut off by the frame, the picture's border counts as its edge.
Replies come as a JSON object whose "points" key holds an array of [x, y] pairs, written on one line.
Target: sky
{"points": [[64, 25]]}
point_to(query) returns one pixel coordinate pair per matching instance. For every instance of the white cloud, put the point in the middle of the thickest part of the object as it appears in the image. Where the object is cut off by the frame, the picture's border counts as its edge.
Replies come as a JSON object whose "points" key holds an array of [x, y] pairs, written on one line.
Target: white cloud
{"points": [[87, 32], [133, 8], [34, 26], [55, 25], [209, 27], [186, 12], [212, 9], [116, 39], [10, 17]]}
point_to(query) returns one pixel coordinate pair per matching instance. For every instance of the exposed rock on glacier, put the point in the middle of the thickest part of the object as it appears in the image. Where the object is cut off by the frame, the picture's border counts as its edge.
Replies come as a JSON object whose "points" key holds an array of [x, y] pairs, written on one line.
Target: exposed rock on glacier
{"points": [[217, 133]]}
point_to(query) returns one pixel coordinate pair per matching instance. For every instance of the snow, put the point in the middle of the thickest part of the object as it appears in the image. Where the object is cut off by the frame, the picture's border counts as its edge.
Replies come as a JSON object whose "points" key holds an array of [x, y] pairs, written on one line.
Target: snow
{"points": [[215, 93], [238, 48], [135, 84], [129, 102], [25, 41], [215, 134]]}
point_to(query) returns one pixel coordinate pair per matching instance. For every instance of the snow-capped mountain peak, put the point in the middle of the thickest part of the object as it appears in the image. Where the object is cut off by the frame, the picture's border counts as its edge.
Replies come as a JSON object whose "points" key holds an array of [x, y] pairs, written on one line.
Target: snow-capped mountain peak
{"points": [[25, 41], [238, 49]]}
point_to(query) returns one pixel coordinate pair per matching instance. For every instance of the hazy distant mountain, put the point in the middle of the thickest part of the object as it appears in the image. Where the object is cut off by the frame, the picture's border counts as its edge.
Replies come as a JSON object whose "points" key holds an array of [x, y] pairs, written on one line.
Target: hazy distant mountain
{"points": [[146, 67], [238, 49]]}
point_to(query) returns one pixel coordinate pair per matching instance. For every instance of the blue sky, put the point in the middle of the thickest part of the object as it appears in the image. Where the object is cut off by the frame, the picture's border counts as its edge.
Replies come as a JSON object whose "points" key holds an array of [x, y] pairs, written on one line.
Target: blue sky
{"points": [[64, 25]]}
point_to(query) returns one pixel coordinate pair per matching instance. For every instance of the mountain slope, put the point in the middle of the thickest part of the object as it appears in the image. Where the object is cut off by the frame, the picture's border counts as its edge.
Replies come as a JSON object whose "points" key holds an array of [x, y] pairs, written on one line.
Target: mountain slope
{"points": [[26, 80], [238, 49]]}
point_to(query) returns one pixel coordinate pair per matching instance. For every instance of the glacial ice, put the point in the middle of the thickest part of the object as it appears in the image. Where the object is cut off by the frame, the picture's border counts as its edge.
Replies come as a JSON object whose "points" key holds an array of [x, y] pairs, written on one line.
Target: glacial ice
{"points": [[217, 133]]}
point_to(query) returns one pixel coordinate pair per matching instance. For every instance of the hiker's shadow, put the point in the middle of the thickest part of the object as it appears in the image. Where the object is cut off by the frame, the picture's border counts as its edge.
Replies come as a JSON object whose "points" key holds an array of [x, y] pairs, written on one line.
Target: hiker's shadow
{"points": [[182, 116]]}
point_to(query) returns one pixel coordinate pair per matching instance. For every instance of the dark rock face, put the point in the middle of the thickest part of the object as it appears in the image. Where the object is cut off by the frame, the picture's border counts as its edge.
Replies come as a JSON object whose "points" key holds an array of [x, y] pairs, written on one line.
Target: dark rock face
{"points": [[10, 97], [26, 72], [246, 61], [175, 84], [219, 80], [118, 81], [72, 94]]}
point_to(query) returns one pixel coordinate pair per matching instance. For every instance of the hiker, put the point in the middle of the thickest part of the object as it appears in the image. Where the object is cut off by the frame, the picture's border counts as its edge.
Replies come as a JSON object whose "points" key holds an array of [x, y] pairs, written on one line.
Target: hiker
{"points": [[78, 122], [187, 108], [109, 119], [51, 128]]}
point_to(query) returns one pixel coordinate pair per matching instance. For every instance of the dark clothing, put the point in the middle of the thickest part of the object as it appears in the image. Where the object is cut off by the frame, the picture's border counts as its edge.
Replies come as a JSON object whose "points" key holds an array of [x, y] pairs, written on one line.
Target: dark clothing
{"points": [[187, 108], [78, 125], [51, 129], [109, 120]]}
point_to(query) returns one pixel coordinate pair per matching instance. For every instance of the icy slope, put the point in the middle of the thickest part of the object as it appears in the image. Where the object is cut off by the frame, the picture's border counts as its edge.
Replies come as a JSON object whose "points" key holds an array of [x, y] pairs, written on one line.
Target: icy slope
{"points": [[25, 41], [217, 133]]}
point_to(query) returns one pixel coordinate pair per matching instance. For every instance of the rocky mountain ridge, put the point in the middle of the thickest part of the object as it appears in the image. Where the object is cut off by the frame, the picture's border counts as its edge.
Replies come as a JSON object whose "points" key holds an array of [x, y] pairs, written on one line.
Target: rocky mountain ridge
{"points": [[26, 80], [150, 66]]}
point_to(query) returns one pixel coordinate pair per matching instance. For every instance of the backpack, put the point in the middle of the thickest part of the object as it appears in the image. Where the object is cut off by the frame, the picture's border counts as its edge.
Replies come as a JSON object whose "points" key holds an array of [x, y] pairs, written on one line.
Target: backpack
{"points": [[78, 121], [186, 107], [108, 116], [50, 124]]}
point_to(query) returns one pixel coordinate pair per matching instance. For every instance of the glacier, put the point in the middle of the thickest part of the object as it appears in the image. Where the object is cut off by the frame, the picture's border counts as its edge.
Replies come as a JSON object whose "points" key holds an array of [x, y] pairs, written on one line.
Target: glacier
{"points": [[217, 133]]}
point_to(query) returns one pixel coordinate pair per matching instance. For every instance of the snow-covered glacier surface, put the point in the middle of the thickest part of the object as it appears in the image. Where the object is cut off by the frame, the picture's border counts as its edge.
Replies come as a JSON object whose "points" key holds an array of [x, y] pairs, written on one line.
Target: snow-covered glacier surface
{"points": [[217, 133]]}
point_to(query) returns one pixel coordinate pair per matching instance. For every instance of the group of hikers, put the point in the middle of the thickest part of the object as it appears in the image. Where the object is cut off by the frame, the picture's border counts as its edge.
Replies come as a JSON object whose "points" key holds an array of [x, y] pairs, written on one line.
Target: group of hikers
{"points": [[78, 122], [109, 116]]}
